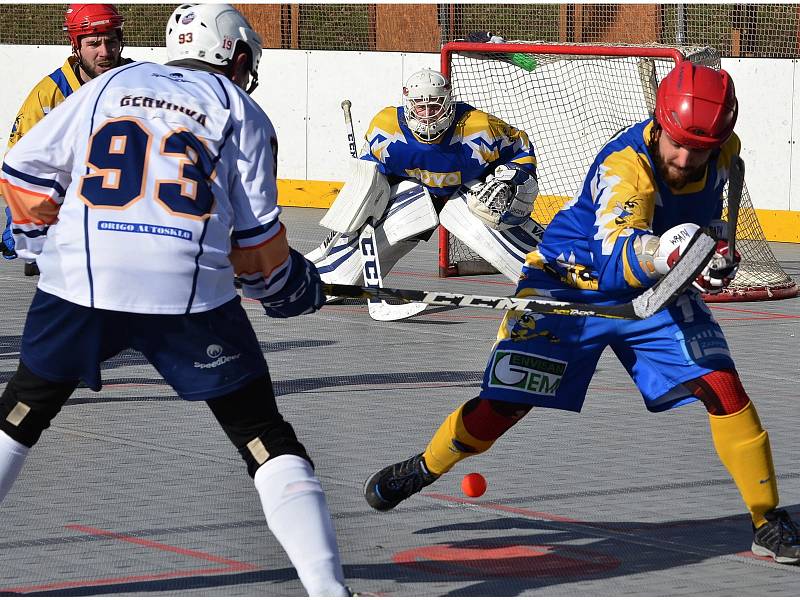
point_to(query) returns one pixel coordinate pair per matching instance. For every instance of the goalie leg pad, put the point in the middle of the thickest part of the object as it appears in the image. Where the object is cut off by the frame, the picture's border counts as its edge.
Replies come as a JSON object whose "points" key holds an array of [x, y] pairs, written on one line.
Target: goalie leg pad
{"points": [[343, 263], [365, 194], [411, 212], [251, 420], [29, 403], [505, 250]]}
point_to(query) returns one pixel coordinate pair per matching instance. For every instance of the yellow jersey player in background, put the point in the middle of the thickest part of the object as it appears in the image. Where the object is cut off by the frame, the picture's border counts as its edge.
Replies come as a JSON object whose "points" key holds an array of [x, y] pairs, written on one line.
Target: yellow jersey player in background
{"points": [[434, 159], [95, 34]]}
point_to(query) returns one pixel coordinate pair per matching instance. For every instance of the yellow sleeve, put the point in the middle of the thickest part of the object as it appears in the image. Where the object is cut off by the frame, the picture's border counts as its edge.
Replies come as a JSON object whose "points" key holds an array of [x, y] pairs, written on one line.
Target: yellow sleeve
{"points": [[42, 99]]}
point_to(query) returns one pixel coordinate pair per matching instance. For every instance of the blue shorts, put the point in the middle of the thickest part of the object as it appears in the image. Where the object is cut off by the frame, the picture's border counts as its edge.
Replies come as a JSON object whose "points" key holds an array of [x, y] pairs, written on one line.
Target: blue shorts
{"points": [[202, 355], [549, 361]]}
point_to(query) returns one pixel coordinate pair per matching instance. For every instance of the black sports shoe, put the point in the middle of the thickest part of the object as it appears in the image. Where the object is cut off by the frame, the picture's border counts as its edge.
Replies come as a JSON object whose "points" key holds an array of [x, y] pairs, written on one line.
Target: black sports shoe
{"points": [[391, 485], [7, 252], [778, 538]]}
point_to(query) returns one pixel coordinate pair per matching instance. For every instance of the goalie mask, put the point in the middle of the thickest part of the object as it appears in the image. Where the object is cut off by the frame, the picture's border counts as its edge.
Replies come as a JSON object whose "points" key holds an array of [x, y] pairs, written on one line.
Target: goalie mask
{"points": [[210, 33], [428, 104]]}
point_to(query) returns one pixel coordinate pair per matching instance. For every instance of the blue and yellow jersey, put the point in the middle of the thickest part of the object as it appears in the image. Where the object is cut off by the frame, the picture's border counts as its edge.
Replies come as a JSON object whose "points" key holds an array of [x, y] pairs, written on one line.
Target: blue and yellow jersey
{"points": [[44, 97], [471, 148], [587, 250]]}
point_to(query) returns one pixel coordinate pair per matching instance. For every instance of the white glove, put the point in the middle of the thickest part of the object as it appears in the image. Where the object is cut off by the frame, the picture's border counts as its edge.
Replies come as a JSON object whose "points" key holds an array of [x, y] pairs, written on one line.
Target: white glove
{"points": [[506, 198], [717, 274]]}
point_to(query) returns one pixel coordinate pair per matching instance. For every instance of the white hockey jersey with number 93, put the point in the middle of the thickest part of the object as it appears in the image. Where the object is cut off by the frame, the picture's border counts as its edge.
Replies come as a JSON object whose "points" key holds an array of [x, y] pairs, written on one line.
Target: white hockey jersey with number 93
{"points": [[140, 190]]}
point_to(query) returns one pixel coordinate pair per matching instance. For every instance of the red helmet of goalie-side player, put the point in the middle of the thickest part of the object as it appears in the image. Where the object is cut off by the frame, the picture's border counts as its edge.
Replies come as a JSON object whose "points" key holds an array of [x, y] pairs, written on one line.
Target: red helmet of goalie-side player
{"points": [[696, 105], [95, 33]]}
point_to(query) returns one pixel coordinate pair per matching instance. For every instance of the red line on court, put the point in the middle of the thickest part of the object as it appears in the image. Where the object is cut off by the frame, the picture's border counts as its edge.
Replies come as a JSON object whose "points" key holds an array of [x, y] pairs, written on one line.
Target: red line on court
{"points": [[61, 585], [504, 508], [755, 314], [232, 566], [159, 546]]}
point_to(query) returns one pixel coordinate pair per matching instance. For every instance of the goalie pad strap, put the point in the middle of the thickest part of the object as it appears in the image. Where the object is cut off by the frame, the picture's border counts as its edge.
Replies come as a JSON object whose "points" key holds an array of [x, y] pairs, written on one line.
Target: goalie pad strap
{"points": [[365, 194]]}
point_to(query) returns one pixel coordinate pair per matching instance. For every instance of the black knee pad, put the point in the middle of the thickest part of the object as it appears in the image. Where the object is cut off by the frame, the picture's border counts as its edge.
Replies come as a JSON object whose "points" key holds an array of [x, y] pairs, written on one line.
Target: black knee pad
{"points": [[251, 420], [29, 403]]}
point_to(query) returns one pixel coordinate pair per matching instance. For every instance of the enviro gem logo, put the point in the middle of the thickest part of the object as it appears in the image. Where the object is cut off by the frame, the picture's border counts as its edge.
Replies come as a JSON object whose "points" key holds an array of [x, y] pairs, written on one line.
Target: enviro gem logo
{"points": [[526, 372]]}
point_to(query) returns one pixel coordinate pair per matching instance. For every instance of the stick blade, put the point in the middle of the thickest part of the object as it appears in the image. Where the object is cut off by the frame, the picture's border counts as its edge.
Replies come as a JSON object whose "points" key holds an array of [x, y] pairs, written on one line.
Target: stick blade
{"points": [[381, 311], [680, 277]]}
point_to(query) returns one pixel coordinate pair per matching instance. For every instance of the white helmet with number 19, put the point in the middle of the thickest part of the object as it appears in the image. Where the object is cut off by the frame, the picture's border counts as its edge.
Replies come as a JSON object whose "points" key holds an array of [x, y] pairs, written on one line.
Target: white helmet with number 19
{"points": [[209, 33], [428, 104]]}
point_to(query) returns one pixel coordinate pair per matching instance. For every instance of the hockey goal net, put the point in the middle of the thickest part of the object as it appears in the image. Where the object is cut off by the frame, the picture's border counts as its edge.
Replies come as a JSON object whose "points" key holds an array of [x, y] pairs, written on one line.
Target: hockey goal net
{"points": [[571, 99]]}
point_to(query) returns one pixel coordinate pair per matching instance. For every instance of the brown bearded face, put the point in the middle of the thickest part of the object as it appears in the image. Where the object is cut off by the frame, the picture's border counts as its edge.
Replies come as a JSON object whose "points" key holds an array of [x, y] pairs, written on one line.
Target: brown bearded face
{"points": [[676, 177], [99, 53]]}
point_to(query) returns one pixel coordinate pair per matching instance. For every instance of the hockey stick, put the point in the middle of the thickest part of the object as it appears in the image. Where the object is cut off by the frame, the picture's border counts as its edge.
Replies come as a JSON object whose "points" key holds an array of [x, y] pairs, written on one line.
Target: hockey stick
{"points": [[735, 189], [351, 142], [662, 294], [378, 309]]}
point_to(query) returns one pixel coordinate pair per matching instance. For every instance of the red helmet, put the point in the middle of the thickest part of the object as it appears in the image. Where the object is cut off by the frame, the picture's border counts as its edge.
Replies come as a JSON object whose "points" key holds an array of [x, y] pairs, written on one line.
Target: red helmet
{"points": [[86, 19], [697, 105]]}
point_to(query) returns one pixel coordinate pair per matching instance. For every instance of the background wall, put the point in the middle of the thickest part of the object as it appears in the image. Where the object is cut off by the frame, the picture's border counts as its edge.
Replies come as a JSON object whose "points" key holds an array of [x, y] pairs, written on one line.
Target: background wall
{"points": [[301, 91]]}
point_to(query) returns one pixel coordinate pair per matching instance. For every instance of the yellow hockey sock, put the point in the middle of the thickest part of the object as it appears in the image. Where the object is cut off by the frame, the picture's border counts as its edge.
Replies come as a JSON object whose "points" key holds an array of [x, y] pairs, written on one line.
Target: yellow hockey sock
{"points": [[743, 447], [452, 443]]}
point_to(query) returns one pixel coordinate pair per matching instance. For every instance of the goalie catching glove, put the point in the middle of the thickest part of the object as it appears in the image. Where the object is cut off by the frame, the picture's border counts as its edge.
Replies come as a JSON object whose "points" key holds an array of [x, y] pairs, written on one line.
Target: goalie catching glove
{"points": [[718, 273], [506, 198], [302, 293]]}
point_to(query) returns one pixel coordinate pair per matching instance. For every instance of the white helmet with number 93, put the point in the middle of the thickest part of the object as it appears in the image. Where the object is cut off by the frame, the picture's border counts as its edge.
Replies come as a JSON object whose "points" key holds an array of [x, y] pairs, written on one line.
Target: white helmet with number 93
{"points": [[428, 104], [209, 33]]}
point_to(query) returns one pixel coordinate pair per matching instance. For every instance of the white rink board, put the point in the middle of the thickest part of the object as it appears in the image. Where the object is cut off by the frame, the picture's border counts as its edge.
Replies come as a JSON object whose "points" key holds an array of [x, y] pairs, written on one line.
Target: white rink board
{"points": [[302, 91]]}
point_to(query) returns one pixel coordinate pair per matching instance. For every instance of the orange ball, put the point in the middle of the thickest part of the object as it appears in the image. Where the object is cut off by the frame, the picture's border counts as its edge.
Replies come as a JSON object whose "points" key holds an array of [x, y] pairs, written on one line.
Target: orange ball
{"points": [[473, 485]]}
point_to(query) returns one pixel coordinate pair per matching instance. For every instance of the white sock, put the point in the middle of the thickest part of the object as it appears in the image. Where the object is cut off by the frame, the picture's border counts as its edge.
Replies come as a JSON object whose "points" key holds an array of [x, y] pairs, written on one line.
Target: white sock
{"points": [[12, 455], [298, 517]]}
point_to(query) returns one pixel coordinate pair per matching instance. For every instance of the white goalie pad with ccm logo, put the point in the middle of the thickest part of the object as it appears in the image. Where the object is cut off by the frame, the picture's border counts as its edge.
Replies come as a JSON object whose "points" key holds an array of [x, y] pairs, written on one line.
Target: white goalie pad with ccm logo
{"points": [[410, 213], [505, 250], [365, 194]]}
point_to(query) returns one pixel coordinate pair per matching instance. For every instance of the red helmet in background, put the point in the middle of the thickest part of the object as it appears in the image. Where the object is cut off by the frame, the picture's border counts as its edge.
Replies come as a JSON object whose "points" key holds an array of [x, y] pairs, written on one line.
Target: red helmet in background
{"points": [[87, 19], [697, 105]]}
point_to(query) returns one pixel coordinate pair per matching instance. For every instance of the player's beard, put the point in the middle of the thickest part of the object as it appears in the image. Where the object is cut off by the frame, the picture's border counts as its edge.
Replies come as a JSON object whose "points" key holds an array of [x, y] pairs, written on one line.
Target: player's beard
{"points": [[675, 178], [99, 69]]}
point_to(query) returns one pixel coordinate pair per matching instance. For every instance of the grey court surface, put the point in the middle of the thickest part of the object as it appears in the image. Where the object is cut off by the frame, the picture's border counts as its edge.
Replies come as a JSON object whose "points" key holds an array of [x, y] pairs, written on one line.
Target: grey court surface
{"points": [[135, 492]]}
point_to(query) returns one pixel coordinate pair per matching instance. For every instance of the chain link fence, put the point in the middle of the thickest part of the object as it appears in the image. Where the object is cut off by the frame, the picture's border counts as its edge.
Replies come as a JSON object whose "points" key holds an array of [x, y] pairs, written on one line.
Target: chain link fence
{"points": [[756, 30]]}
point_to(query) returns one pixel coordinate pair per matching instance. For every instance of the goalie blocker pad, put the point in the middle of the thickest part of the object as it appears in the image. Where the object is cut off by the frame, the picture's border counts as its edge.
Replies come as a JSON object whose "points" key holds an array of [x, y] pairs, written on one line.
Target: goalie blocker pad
{"points": [[505, 250], [365, 194]]}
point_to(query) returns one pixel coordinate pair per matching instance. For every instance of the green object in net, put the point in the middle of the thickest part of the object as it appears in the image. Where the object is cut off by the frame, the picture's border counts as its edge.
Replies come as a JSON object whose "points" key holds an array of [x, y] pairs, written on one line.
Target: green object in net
{"points": [[523, 61]]}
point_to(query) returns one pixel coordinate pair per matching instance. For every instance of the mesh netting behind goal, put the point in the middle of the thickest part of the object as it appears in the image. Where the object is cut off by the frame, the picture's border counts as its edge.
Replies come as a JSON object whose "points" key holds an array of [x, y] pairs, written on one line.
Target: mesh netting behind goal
{"points": [[571, 99]]}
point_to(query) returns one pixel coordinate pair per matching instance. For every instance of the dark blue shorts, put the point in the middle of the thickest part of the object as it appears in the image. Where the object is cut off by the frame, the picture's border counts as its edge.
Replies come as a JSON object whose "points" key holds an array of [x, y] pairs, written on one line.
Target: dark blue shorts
{"points": [[549, 360], [202, 355]]}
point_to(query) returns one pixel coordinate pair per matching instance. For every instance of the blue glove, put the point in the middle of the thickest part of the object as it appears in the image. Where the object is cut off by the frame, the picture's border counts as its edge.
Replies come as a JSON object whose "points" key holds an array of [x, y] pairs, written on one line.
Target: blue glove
{"points": [[7, 245], [302, 294]]}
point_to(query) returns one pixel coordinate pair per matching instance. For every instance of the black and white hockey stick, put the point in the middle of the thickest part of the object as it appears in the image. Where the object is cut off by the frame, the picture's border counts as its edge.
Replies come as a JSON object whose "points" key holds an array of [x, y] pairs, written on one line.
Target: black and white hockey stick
{"points": [[335, 236], [378, 309], [662, 294], [735, 189]]}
